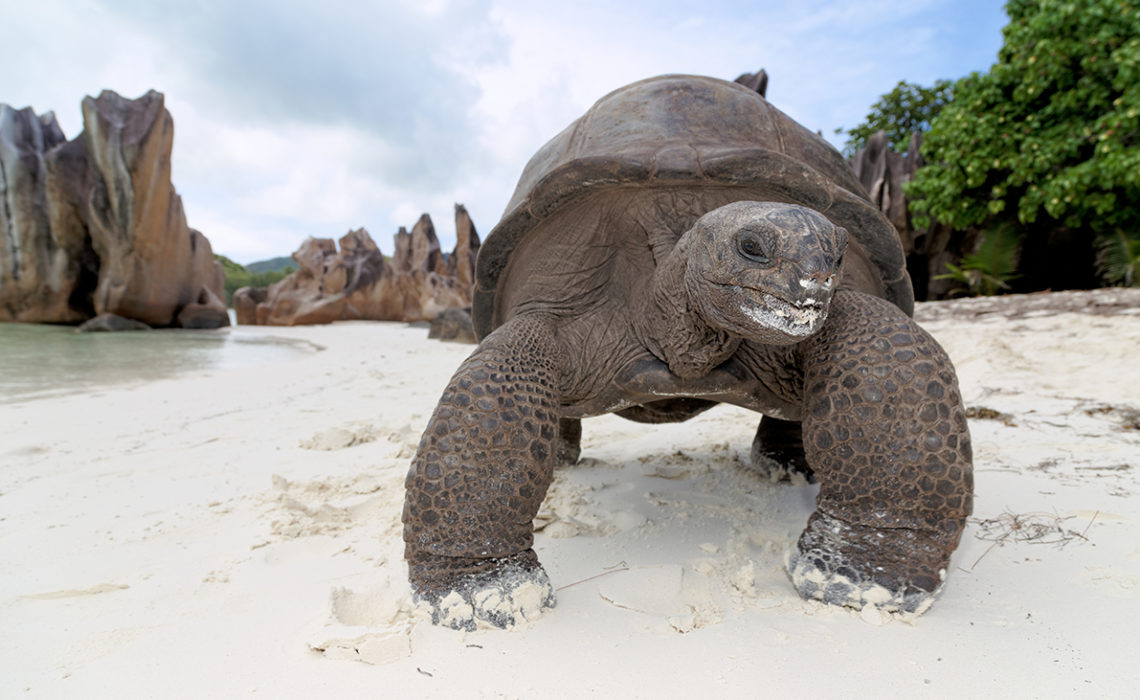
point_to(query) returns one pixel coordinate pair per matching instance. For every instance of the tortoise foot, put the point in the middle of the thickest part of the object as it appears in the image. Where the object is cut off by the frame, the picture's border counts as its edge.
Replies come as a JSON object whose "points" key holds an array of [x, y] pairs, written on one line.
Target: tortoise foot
{"points": [[893, 570], [464, 594]]}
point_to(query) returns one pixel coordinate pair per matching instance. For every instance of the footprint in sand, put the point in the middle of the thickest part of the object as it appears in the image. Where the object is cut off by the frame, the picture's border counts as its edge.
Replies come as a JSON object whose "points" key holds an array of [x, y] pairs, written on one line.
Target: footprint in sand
{"points": [[405, 438], [339, 438], [371, 626]]}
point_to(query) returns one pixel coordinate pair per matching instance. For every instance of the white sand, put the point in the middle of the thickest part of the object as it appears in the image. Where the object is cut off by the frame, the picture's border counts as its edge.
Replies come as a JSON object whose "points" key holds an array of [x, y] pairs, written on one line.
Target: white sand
{"points": [[202, 537]]}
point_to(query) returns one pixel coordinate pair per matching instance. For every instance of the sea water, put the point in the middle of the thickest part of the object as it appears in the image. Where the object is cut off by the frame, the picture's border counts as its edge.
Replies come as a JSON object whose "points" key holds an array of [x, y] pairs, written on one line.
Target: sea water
{"points": [[42, 361]]}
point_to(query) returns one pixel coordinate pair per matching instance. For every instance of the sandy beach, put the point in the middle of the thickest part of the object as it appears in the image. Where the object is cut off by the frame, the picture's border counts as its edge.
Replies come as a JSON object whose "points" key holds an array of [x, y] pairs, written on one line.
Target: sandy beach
{"points": [[237, 533]]}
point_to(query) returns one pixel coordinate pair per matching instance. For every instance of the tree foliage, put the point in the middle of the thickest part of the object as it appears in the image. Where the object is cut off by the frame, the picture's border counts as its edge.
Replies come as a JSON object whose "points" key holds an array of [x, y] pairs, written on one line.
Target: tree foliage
{"points": [[237, 277], [907, 108], [1051, 134]]}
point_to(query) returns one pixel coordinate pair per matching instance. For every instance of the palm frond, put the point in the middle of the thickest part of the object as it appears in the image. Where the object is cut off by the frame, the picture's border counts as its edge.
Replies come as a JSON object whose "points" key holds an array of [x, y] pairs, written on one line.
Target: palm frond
{"points": [[1118, 258], [992, 265]]}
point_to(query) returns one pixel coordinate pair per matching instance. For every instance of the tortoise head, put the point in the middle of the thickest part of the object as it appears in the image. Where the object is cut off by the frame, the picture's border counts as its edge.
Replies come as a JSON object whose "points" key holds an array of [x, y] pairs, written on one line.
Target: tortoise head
{"points": [[765, 271]]}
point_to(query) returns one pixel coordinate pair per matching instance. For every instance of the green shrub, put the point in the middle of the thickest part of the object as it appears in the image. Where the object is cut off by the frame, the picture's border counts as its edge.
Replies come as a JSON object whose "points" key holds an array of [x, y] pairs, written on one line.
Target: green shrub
{"points": [[1050, 134]]}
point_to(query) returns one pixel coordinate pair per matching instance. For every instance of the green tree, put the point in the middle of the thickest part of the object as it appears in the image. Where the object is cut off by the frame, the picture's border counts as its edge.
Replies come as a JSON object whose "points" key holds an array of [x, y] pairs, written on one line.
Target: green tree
{"points": [[1050, 136], [907, 108], [237, 276]]}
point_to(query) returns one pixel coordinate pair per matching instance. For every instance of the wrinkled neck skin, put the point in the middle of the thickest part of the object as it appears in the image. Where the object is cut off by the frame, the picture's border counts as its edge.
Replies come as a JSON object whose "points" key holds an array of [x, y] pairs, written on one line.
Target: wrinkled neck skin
{"points": [[672, 327]]}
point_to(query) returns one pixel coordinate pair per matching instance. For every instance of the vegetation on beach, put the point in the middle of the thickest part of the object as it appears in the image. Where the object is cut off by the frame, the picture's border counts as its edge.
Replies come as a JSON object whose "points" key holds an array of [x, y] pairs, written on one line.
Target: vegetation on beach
{"points": [[238, 276], [1118, 256], [991, 267], [1043, 147], [907, 108]]}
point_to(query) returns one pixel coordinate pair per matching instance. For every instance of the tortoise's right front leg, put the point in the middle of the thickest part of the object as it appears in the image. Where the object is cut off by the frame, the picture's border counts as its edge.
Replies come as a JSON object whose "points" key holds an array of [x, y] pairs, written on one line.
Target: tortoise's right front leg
{"points": [[480, 474], [885, 431]]}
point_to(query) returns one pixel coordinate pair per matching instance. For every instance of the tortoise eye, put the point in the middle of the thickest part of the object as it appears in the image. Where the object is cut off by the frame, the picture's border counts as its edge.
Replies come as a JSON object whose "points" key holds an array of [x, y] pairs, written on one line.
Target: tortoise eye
{"points": [[751, 247]]}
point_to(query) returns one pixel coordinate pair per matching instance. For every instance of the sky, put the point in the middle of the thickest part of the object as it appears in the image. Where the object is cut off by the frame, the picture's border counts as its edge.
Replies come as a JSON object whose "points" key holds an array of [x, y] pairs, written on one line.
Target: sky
{"points": [[298, 118]]}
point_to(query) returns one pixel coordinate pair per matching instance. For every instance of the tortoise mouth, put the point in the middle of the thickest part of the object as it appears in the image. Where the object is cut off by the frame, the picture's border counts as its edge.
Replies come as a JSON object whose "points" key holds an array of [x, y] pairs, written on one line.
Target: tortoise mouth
{"points": [[797, 319]]}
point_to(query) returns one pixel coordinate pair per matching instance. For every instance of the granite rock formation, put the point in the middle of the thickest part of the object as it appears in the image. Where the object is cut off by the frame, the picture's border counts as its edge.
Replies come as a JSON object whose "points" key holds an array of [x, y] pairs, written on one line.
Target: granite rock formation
{"points": [[352, 280], [882, 173], [94, 226], [453, 325], [111, 322]]}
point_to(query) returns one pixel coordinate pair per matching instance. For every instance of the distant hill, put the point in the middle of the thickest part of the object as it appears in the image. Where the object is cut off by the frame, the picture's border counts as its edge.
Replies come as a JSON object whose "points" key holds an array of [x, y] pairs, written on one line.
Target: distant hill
{"points": [[229, 266], [258, 274], [271, 265]]}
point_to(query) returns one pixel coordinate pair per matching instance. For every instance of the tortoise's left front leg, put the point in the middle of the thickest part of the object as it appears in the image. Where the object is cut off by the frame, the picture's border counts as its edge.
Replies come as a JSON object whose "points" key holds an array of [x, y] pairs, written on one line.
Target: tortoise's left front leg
{"points": [[885, 432], [479, 477]]}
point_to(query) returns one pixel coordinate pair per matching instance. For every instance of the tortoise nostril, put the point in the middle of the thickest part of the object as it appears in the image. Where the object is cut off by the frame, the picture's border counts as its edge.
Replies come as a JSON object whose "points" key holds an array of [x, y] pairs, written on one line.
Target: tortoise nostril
{"points": [[818, 282], [818, 268]]}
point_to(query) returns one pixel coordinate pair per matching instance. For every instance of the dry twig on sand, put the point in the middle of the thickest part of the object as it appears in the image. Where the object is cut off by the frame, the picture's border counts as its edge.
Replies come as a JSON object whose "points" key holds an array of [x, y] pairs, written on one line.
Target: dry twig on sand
{"points": [[1034, 528]]}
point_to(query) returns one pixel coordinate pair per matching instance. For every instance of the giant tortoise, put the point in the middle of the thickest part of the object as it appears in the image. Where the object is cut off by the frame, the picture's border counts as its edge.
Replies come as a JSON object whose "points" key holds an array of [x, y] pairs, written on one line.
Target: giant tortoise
{"points": [[684, 244]]}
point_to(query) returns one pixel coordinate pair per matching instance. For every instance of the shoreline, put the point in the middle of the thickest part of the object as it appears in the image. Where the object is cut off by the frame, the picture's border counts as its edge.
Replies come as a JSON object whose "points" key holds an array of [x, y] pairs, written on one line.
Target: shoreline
{"points": [[67, 361]]}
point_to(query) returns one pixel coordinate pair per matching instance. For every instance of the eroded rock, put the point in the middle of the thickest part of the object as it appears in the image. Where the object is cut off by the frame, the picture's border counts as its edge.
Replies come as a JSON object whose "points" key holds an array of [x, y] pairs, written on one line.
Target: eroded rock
{"points": [[454, 325], [111, 323], [883, 172], [94, 226], [352, 280]]}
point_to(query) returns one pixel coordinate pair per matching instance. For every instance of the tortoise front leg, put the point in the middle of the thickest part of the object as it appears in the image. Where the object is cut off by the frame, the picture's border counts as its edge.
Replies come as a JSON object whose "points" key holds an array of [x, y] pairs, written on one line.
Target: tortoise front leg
{"points": [[480, 474], [885, 431]]}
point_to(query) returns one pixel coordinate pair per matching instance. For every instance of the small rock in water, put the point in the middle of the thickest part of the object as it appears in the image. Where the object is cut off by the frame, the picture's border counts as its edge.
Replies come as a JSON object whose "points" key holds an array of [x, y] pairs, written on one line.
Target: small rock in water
{"points": [[111, 322]]}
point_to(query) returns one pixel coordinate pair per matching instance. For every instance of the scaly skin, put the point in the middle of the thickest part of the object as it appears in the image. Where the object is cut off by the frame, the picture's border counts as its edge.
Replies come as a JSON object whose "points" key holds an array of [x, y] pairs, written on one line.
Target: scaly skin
{"points": [[482, 469], [885, 433]]}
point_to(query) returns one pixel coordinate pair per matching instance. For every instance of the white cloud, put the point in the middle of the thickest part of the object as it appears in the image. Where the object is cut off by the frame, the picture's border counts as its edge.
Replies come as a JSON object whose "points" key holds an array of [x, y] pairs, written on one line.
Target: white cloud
{"points": [[297, 118]]}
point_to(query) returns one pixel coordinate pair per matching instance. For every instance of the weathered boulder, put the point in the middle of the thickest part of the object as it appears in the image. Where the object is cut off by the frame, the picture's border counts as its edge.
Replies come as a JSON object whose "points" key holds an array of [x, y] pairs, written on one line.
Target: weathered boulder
{"points": [[402, 255], [111, 322], [425, 251], [41, 259], [882, 173], [207, 311], [245, 302], [94, 225], [454, 325], [461, 264], [351, 279]]}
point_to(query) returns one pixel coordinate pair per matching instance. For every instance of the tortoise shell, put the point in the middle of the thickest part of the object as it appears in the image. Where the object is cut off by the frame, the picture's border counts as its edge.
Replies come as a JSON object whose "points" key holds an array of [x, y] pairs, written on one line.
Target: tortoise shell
{"points": [[713, 140]]}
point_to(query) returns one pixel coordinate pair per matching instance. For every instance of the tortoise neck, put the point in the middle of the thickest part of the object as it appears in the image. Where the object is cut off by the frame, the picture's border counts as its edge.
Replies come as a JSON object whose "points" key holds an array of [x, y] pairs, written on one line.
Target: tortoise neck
{"points": [[672, 326]]}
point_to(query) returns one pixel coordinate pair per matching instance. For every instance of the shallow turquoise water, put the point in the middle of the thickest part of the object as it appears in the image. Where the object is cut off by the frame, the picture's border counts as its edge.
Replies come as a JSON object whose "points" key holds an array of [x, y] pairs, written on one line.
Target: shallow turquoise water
{"points": [[42, 361]]}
